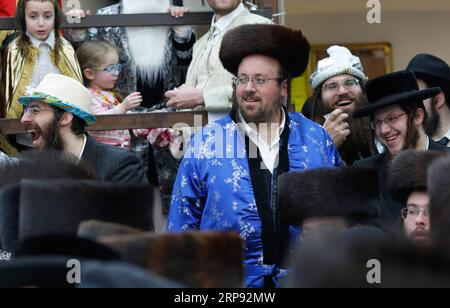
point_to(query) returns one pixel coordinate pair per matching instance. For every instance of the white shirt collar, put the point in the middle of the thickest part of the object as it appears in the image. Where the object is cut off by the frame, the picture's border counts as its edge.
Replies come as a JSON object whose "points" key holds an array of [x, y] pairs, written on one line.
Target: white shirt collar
{"points": [[222, 24], [254, 135], [428, 143], [50, 41], [84, 146], [447, 135]]}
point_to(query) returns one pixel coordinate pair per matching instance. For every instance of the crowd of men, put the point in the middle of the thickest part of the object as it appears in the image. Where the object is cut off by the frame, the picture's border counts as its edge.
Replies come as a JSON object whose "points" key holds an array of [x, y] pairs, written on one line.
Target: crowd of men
{"points": [[264, 197]]}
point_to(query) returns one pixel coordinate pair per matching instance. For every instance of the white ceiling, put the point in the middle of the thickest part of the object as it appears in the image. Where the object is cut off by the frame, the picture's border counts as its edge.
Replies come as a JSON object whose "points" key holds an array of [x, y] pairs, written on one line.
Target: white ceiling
{"points": [[340, 6]]}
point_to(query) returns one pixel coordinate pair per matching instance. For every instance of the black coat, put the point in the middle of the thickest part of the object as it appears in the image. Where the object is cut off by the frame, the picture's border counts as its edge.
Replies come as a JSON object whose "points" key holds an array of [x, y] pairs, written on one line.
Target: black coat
{"points": [[390, 210], [113, 164]]}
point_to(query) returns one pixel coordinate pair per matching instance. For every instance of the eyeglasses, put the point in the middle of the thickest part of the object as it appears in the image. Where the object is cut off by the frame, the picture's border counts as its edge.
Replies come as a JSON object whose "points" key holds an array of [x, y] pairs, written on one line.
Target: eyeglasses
{"points": [[113, 69], [412, 211], [334, 86], [258, 81], [390, 120], [34, 110]]}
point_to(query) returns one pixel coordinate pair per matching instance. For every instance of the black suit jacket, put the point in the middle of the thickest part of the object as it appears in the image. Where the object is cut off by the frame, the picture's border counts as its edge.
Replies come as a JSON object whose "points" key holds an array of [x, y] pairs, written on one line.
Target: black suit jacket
{"points": [[390, 210], [113, 164]]}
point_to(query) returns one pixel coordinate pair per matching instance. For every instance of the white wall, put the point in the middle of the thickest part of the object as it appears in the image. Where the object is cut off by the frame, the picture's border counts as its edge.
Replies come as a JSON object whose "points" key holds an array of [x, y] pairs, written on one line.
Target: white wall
{"points": [[408, 32]]}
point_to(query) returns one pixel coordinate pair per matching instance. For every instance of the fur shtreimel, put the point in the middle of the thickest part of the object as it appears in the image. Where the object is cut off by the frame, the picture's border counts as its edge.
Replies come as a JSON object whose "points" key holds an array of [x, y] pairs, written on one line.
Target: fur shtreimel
{"points": [[195, 259], [409, 172], [346, 192], [288, 46]]}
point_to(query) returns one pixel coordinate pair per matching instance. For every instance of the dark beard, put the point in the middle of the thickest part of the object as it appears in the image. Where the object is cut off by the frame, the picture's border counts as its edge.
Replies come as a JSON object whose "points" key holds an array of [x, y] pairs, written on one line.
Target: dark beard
{"points": [[434, 118], [264, 115], [360, 144], [52, 136]]}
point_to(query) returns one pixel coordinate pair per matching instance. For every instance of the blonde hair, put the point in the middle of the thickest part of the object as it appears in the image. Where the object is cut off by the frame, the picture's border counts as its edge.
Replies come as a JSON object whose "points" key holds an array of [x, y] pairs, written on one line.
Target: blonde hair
{"points": [[91, 54]]}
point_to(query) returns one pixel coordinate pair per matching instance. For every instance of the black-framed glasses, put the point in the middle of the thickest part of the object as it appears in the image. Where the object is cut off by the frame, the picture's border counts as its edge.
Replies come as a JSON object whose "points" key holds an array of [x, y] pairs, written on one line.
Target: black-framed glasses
{"points": [[413, 211], [113, 69], [258, 81], [333, 86], [390, 120]]}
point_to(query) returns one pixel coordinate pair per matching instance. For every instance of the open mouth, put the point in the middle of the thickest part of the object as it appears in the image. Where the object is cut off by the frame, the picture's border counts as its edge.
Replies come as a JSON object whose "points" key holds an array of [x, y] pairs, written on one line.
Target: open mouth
{"points": [[36, 135], [345, 103], [391, 140]]}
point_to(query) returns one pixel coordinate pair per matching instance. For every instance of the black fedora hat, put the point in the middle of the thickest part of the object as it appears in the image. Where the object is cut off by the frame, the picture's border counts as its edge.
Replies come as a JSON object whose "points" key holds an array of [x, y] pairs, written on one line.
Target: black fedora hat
{"points": [[431, 69], [397, 88]]}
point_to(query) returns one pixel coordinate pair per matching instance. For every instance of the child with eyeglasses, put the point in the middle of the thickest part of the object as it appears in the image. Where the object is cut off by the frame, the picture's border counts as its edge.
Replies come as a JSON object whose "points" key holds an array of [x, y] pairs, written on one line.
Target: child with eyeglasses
{"points": [[99, 62]]}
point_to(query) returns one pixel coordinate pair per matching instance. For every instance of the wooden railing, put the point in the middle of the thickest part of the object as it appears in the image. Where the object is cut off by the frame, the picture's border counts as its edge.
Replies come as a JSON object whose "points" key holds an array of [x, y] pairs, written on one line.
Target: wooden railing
{"points": [[129, 121], [134, 20]]}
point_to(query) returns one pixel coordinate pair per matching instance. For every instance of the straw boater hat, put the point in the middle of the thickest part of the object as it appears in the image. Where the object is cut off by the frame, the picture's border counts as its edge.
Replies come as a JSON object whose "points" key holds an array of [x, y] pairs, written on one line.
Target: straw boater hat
{"points": [[64, 93], [287, 46]]}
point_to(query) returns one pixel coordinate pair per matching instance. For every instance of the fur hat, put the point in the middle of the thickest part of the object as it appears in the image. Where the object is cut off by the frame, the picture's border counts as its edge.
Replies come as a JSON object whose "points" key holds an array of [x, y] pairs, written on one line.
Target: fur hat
{"points": [[43, 165], [438, 183], [58, 207], [409, 172], [94, 229], [287, 46], [347, 191], [195, 259], [70, 246], [340, 61]]}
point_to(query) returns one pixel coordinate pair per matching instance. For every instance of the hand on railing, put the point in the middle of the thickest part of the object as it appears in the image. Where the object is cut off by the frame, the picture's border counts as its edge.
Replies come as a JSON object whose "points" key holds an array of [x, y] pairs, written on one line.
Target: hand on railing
{"points": [[75, 16]]}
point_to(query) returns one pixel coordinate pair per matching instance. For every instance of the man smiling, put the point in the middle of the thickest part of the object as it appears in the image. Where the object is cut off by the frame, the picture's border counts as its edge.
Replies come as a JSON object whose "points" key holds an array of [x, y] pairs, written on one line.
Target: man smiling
{"points": [[398, 118], [338, 84], [228, 178], [56, 115]]}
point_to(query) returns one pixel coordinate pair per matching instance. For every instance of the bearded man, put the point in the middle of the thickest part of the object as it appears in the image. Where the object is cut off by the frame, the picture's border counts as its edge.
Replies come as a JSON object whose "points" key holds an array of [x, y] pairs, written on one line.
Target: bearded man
{"points": [[432, 71], [338, 84], [228, 178], [155, 59], [56, 115]]}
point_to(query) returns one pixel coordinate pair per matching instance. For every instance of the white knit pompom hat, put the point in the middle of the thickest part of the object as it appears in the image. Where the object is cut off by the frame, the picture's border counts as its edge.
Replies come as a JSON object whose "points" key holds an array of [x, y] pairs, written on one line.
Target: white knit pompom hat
{"points": [[341, 61]]}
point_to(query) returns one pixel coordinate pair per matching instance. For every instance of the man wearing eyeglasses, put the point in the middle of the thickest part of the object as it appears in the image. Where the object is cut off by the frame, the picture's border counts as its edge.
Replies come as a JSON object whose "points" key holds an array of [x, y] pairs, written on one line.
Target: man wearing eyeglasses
{"points": [[228, 178], [338, 84], [56, 115], [398, 118], [408, 185]]}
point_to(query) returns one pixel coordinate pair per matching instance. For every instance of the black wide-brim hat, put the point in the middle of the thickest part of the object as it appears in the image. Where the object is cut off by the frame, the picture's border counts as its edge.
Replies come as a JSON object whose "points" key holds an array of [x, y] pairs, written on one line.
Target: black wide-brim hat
{"points": [[431, 69], [287, 46], [399, 88]]}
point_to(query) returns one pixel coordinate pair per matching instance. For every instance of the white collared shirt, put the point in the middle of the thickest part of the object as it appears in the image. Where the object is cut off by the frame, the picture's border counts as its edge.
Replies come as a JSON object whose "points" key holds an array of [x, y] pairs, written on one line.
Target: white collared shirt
{"points": [[447, 135], [84, 146], [44, 64], [3, 157], [269, 153]]}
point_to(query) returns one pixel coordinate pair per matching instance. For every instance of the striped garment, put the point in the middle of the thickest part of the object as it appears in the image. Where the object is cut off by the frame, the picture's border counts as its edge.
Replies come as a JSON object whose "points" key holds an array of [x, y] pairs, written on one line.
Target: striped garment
{"points": [[106, 103]]}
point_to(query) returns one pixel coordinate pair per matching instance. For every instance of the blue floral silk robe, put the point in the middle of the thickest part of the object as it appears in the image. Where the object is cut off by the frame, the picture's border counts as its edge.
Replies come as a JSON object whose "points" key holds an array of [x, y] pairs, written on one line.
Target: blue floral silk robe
{"points": [[214, 190]]}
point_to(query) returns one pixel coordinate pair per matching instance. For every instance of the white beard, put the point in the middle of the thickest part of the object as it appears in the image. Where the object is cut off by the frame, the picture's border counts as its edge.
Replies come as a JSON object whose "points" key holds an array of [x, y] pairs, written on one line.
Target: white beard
{"points": [[147, 44]]}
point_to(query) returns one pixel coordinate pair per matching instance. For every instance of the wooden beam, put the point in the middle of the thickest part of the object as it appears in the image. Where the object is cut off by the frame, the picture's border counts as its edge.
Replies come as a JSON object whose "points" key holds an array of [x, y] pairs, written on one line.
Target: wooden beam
{"points": [[134, 20], [125, 121]]}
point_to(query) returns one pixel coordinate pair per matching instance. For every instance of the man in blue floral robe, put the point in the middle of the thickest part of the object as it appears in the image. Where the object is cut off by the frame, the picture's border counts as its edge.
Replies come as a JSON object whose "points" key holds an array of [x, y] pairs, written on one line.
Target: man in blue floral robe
{"points": [[228, 178]]}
